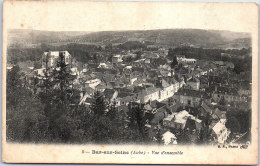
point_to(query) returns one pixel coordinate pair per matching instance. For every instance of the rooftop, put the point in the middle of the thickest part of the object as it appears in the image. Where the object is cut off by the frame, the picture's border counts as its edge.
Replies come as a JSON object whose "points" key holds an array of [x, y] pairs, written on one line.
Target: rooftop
{"points": [[55, 53], [193, 93]]}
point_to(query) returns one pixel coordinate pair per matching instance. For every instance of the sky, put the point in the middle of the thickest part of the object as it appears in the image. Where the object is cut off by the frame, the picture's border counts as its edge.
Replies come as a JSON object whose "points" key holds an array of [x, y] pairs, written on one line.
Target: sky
{"points": [[113, 16]]}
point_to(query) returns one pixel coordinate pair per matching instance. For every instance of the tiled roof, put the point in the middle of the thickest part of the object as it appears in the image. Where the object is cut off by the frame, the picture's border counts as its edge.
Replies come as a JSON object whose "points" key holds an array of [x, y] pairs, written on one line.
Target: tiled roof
{"points": [[206, 108], [55, 53], [227, 90], [193, 93], [173, 108], [194, 80], [150, 90]]}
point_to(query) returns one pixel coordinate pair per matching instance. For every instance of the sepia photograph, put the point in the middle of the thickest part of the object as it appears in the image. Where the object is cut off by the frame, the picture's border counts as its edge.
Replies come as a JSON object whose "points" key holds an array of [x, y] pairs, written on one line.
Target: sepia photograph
{"points": [[147, 91]]}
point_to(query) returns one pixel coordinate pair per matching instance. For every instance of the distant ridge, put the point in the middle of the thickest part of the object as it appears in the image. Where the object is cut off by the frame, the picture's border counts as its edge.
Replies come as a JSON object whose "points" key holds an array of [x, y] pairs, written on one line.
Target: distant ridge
{"points": [[161, 37]]}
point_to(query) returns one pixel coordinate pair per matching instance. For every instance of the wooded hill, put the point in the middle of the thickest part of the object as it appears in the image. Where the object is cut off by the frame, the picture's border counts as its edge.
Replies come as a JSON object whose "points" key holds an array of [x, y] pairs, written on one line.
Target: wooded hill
{"points": [[163, 37]]}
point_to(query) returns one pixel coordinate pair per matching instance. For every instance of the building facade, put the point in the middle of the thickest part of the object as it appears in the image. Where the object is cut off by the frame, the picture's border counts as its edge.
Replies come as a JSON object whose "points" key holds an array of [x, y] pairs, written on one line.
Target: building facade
{"points": [[50, 59]]}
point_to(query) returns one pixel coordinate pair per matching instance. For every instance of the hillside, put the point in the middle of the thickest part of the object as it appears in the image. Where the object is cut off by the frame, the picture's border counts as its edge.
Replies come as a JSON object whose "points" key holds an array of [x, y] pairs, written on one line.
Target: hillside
{"points": [[167, 37]]}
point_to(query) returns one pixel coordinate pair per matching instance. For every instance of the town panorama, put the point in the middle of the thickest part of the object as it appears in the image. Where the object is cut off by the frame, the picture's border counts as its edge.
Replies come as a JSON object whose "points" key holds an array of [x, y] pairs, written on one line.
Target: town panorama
{"points": [[179, 86]]}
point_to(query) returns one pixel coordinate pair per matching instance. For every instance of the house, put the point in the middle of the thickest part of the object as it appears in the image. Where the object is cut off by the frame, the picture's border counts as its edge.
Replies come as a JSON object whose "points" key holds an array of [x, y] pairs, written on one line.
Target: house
{"points": [[132, 80], [9, 66], [194, 83], [176, 85], [205, 110], [86, 98], [230, 65], [214, 111], [182, 59], [74, 71], [244, 88], [111, 96], [149, 94], [40, 72], [101, 87], [169, 138], [120, 96], [219, 63], [92, 83], [191, 97], [229, 94], [220, 132], [160, 112], [127, 99], [148, 61], [102, 65], [178, 120], [166, 89], [117, 59], [50, 59]]}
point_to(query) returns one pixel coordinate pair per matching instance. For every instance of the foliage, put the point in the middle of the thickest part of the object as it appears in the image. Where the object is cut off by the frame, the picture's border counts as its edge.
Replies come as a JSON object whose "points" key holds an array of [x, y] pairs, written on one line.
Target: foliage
{"points": [[158, 136], [132, 45], [13, 85], [25, 119], [222, 101], [81, 52], [98, 107], [137, 122], [243, 117], [174, 62], [233, 124]]}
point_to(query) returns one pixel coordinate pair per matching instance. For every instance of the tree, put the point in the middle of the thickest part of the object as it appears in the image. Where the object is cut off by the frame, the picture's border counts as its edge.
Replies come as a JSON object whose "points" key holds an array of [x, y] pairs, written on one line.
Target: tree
{"points": [[28, 123], [238, 68], [233, 124], [158, 136], [109, 46], [183, 138], [112, 113], [171, 53], [222, 101], [59, 98], [99, 106], [36, 65], [13, 85], [63, 78], [106, 127], [137, 122], [25, 119], [174, 62], [45, 47]]}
